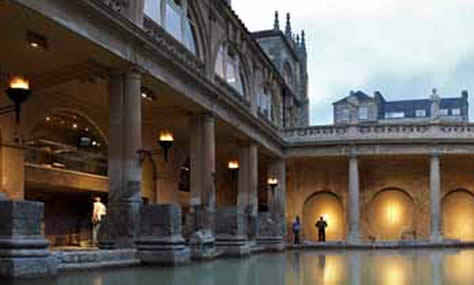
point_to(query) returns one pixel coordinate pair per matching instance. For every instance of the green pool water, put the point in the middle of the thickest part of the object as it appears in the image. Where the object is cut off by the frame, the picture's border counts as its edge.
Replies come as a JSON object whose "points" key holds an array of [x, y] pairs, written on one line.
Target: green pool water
{"points": [[295, 267]]}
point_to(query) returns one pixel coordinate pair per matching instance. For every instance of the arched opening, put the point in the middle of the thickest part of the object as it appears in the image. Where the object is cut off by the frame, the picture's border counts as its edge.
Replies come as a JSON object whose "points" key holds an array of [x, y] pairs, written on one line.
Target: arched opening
{"points": [[174, 17], [228, 66], [458, 215], [69, 141], [329, 206], [391, 214], [66, 167]]}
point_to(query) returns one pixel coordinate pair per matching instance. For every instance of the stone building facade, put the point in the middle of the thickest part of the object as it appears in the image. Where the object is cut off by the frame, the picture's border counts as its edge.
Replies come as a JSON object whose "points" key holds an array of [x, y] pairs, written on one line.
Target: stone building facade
{"points": [[114, 81], [359, 107]]}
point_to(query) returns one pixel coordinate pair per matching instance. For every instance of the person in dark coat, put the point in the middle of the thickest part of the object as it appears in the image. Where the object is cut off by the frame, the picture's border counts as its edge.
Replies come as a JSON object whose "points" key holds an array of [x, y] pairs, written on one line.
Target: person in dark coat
{"points": [[296, 227], [321, 225]]}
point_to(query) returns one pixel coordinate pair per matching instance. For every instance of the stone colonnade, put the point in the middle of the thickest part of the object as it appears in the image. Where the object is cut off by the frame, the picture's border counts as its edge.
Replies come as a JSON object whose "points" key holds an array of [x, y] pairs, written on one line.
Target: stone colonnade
{"points": [[121, 226], [354, 200]]}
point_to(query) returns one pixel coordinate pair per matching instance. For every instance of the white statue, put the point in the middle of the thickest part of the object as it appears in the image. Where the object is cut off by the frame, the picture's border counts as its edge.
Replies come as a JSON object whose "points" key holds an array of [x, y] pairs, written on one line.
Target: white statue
{"points": [[97, 214]]}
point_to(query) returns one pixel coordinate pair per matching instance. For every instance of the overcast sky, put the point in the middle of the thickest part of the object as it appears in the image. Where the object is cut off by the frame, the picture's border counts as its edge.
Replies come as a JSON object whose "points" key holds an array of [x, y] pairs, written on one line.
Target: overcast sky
{"points": [[403, 48]]}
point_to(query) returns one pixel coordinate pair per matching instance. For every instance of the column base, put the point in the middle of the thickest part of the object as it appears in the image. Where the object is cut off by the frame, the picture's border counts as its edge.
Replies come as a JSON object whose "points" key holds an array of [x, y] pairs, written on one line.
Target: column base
{"points": [[160, 240], [233, 246], [28, 267], [436, 237], [354, 238], [164, 254], [271, 244], [23, 251], [203, 245]]}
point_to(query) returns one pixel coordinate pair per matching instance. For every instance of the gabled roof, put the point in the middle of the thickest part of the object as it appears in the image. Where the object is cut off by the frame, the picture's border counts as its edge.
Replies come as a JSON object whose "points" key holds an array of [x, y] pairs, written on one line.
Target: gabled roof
{"points": [[361, 96]]}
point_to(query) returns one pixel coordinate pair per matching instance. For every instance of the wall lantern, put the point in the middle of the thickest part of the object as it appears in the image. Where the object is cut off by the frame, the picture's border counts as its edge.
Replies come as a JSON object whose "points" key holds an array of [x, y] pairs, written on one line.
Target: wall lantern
{"points": [[166, 142], [233, 166], [272, 182], [18, 92]]}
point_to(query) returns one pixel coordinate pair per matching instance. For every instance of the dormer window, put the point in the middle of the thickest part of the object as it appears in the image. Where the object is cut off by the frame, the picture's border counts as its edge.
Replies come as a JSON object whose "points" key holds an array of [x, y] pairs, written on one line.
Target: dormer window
{"points": [[443, 112], [420, 113], [456, 112]]}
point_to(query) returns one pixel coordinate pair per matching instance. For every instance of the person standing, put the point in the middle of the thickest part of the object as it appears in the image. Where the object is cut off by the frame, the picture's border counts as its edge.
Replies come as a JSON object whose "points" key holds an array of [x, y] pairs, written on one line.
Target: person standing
{"points": [[321, 225], [296, 227], [98, 212]]}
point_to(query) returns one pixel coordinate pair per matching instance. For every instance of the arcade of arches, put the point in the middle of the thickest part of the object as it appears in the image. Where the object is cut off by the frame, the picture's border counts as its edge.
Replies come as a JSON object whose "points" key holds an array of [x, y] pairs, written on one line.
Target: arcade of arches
{"points": [[394, 197]]}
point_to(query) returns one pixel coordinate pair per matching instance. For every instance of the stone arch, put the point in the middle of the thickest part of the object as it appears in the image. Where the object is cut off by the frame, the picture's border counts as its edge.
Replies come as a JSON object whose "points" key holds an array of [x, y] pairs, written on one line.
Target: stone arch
{"points": [[391, 214], [457, 212], [243, 64], [328, 204], [200, 30], [42, 114]]}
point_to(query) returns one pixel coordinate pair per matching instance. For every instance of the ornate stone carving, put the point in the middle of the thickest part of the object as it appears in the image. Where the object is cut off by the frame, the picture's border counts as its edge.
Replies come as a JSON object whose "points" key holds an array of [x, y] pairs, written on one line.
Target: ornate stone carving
{"points": [[172, 47]]}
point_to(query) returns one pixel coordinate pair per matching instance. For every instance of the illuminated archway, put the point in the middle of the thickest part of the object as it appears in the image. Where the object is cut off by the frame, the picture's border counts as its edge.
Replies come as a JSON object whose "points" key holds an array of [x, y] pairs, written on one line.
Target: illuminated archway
{"points": [[391, 214], [458, 215], [328, 205]]}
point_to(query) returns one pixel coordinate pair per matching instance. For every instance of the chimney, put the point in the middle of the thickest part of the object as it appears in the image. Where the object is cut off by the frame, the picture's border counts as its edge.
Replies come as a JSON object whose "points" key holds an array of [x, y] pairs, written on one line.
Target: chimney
{"points": [[435, 103]]}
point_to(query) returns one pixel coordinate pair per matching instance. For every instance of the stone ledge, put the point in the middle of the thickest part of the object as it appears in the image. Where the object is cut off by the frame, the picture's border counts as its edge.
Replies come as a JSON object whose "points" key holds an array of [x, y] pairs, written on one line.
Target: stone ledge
{"points": [[384, 245], [96, 259]]}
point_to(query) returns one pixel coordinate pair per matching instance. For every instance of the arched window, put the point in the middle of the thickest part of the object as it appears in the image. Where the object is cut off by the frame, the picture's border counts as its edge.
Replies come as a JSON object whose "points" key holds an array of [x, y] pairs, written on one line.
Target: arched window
{"points": [[264, 101], [228, 68], [173, 16]]}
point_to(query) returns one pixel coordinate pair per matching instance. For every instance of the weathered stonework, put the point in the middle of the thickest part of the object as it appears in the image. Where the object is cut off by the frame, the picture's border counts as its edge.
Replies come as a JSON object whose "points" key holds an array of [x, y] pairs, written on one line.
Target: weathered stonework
{"points": [[269, 232], [231, 232], [160, 240], [23, 250]]}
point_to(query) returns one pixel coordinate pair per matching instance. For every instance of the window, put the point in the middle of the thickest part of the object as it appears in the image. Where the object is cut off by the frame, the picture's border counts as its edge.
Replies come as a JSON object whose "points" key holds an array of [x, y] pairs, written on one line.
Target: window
{"points": [[443, 112], [345, 115], [173, 17], [363, 113], [265, 102], [420, 113], [228, 68], [395, 115], [456, 112]]}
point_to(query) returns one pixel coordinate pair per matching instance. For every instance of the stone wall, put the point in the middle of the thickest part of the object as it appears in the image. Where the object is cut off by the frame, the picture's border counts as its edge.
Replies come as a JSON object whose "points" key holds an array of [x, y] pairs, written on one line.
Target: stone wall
{"points": [[407, 174]]}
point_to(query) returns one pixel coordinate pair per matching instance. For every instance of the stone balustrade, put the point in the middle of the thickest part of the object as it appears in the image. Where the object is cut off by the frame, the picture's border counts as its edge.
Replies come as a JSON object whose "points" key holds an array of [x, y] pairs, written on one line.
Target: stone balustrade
{"points": [[381, 132]]}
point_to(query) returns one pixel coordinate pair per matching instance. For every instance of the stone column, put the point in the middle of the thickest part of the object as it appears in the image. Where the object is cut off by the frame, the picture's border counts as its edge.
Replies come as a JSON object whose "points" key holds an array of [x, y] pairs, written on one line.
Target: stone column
{"points": [[277, 200], [125, 136], [354, 211], [202, 162], [435, 194], [12, 159], [247, 197]]}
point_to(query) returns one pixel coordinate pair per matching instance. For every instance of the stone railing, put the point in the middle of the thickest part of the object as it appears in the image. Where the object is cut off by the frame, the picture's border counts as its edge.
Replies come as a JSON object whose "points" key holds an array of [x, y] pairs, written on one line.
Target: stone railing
{"points": [[383, 132]]}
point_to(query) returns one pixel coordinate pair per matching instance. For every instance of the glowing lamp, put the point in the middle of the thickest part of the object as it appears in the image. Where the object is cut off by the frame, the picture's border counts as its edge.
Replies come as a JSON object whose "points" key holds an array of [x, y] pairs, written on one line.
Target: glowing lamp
{"points": [[166, 142], [233, 164], [18, 91], [273, 183]]}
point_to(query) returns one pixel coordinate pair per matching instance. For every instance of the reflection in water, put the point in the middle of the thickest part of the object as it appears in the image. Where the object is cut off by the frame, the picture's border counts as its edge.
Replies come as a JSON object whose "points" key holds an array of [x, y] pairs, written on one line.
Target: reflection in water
{"points": [[296, 268], [459, 268]]}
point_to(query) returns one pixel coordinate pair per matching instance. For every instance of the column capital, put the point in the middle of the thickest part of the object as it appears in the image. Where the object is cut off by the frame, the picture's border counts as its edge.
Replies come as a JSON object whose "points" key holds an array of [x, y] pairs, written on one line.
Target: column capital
{"points": [[435, 154], [131, 70], [353, 153]]}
